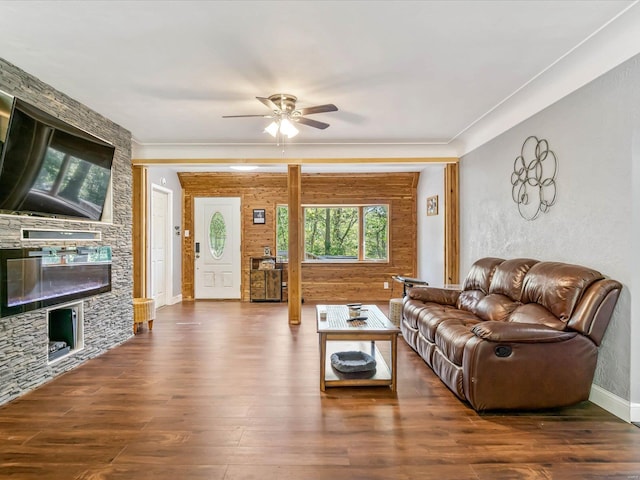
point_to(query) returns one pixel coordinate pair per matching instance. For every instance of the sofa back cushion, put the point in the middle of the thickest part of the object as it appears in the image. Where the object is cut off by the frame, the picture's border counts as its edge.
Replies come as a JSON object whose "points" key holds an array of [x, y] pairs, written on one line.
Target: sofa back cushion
{"points": [[477, 283], [557, 286], [481, 273], [508, 277], [468, 300]]}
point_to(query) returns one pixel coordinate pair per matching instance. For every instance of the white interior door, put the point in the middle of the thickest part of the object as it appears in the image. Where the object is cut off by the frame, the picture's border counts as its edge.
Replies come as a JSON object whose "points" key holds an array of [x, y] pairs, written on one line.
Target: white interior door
{"points": [[160, 246], [217, 245]]}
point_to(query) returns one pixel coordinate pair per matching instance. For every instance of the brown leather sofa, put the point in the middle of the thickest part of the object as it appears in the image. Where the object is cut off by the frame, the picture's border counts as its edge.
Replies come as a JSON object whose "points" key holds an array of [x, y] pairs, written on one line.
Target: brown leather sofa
{"points": [[521, 334]]}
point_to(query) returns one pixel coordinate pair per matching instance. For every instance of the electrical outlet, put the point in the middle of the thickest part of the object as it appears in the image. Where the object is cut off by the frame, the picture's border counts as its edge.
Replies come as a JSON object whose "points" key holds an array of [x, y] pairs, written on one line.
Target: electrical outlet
{"points": [[386, 285]]}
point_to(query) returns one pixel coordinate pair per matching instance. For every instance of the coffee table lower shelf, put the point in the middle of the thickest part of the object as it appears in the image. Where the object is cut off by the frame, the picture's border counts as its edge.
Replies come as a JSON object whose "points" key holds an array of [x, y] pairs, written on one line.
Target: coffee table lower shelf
{"points": [[334, 378]]}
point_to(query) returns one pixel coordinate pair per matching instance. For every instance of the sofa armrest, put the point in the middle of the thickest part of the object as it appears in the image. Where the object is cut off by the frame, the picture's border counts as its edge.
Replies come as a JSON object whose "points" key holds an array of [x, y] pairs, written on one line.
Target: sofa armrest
{"points": [[520, 332], [443, 296]]}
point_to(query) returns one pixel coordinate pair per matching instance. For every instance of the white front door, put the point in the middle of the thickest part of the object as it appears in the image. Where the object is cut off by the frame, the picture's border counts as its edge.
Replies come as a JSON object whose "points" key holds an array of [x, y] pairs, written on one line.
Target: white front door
{"points": [[217, 248], [160, 245]]}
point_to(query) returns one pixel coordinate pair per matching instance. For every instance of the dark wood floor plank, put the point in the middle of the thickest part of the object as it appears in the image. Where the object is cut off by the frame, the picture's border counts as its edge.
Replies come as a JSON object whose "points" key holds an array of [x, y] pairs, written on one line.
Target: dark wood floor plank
{"points": [[49, 471], [268, 472], [153, 472], [229, 391]]}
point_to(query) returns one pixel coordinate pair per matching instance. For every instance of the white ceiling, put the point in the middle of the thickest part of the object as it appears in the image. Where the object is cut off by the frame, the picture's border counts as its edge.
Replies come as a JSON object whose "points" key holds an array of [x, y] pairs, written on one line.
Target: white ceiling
{"points": [[410, 78]]}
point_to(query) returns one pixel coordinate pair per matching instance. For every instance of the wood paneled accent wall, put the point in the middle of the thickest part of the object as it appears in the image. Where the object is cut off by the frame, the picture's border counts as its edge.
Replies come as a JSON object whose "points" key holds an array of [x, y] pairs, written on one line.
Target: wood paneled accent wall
{"points": [[138, 231], [320, 282], [451, 224]]}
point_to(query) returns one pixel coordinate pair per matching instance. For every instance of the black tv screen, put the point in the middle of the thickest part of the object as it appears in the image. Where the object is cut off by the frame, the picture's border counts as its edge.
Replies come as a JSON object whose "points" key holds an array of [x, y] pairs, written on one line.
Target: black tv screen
{"points": [[51, 168]]}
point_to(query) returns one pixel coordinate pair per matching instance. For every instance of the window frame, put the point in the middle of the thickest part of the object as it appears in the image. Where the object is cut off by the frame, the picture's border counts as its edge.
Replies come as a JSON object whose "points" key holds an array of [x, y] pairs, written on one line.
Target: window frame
{"points": [[361, 245]]}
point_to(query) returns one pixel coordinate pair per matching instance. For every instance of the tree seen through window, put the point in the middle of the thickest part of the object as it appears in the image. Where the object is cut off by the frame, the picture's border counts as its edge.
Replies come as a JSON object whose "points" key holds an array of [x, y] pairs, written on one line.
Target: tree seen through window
{"points": [[332, 233]]}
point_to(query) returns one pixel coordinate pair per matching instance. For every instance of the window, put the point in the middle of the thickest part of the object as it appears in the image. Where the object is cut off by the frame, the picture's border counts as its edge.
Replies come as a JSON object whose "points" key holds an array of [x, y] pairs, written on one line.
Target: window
{"points": [[282, 233], [376, 232], [334, 233], [217, 235]]}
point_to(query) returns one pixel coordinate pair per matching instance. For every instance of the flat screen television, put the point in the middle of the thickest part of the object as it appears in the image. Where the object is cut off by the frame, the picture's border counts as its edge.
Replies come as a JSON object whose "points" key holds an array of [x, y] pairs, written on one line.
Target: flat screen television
{"points": [[51, 168]]}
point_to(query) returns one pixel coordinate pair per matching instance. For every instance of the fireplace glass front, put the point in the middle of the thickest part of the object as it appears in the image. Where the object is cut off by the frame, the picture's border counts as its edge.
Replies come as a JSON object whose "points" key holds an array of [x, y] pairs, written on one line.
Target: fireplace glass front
{"points": [[38, 278]]}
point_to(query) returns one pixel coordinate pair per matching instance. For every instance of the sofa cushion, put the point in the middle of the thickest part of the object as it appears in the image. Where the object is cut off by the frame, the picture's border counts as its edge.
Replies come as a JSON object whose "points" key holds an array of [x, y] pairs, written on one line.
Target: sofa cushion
{"points": [[557, 286], [469, 299], [508, 277], [451, 337], [481, 273], [495, 307], [430, 319], [536, 314], [410, 311]]}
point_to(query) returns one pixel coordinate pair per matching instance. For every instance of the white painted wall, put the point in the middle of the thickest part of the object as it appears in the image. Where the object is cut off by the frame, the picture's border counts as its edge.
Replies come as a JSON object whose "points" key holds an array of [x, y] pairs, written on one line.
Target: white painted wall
{"points": [[592, 223], [431, 229]]}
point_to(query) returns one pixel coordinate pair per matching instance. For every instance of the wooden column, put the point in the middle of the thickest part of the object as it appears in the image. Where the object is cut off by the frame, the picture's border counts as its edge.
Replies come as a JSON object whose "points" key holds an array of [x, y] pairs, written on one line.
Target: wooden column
{"points": [[294, 285], [451, 224], [139, 241]]}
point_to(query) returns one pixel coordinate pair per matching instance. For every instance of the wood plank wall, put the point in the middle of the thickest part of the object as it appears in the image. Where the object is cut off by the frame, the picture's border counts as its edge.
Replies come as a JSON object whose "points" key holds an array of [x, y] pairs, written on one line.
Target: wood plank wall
{"points": [[451, 224], [139, 235], [320, 282]]}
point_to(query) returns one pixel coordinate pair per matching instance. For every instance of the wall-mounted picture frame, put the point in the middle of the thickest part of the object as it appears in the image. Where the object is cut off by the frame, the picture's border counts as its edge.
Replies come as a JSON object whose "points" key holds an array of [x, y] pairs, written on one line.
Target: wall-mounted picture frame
{"points": [[432, 205], [258, 215]]}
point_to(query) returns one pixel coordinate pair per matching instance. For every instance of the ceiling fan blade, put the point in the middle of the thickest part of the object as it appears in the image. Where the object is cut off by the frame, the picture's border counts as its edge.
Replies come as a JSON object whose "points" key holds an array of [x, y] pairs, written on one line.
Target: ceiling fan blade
{"points": [[242, 116], [268, 103], [329, 107], [312, 123]]}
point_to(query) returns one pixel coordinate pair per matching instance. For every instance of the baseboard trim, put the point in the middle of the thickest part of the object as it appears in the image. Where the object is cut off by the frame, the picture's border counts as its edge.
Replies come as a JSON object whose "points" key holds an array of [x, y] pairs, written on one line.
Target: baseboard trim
{"points": [[619, 407], [176, 299], [635, 412]]}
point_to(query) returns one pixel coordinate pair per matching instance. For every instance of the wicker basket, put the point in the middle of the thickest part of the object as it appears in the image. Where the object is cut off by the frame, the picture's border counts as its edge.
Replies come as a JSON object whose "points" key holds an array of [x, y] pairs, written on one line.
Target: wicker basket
{"points": [[395, 311], [144, 310]]}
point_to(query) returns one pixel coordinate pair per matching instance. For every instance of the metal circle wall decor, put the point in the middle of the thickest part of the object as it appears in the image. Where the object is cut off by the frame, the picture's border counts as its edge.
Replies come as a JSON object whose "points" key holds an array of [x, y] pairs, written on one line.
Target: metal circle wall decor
{"points": [[533, 181]]}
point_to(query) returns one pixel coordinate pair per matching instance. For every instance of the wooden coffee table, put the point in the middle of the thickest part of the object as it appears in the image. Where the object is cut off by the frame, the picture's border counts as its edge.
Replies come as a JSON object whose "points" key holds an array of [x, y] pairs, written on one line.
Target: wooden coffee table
{"points": [[337, 330]]}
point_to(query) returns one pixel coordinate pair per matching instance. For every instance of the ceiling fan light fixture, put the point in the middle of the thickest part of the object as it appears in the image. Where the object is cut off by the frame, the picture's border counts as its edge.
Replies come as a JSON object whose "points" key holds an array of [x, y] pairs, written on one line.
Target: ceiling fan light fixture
{"points": [[272, 129], [285, 114], [282, 126], [287, 128]]}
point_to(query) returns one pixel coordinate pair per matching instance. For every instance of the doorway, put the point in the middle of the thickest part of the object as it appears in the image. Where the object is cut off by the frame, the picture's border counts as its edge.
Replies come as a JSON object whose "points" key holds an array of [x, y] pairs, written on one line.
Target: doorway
{"points": [[161, 245], [217, 248]]}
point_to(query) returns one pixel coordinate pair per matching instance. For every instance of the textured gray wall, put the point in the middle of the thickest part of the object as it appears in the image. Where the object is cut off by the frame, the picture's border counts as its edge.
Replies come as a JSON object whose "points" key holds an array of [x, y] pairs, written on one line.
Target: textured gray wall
{"points": [[108, 317], [591, 131]]}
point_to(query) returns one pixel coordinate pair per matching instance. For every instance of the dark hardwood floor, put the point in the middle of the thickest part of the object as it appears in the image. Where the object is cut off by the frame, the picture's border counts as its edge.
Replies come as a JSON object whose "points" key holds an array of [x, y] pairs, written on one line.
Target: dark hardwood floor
{"points": [[224, 390]]}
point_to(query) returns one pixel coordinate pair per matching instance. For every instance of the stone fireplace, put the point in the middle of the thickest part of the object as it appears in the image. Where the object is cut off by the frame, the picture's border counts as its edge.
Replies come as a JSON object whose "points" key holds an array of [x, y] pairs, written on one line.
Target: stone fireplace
{"points": [[103, 316]]}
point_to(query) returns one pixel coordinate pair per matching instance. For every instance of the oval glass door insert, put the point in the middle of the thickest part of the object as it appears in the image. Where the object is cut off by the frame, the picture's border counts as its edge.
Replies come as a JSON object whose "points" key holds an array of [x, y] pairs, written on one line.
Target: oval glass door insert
{"points": [[217, 235]]}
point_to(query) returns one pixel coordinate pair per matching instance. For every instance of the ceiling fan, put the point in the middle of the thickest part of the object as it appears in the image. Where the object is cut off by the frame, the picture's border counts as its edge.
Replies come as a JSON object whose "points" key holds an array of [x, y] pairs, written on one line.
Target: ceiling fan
{"points": [[285, 114]]}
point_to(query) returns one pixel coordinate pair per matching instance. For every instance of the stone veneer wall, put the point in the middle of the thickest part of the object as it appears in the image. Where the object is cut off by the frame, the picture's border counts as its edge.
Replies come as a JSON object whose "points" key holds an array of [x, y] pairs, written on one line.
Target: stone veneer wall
{"points": [[108, 317]]}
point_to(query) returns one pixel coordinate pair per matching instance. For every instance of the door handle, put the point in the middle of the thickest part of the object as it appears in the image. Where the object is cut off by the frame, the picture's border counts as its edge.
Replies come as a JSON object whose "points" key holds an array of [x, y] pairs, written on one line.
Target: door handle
{"points": [[197, 249]]}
